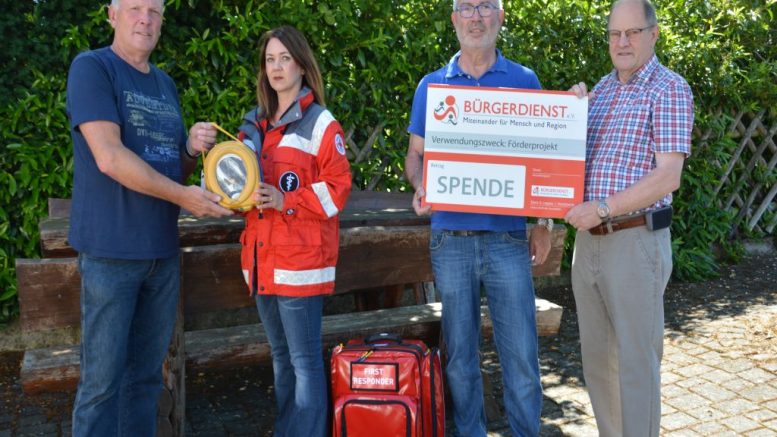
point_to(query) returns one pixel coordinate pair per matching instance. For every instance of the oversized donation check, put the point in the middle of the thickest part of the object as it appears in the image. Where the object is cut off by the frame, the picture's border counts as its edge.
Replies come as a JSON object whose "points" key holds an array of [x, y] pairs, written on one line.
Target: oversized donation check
{"points": [[504, 150]]}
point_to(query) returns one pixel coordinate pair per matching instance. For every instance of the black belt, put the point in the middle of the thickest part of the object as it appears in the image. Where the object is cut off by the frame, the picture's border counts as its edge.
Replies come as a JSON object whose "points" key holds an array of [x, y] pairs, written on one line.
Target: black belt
{"points": [[616, 225], [466, 233]]}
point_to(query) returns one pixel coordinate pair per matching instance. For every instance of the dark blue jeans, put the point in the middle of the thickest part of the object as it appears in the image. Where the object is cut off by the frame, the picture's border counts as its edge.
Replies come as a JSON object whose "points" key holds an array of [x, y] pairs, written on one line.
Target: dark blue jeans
{"points": [[500, 262], [293, 327], [128, 310]]}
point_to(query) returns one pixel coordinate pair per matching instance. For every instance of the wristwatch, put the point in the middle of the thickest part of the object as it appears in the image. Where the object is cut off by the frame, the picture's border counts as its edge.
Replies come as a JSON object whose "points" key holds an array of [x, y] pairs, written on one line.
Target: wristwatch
{"points": [[603, 210], [546, 222]]}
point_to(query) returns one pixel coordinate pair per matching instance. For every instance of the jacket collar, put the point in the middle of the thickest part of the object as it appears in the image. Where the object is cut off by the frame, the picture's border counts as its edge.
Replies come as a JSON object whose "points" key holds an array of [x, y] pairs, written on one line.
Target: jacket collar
{"points": [[297, 109]]}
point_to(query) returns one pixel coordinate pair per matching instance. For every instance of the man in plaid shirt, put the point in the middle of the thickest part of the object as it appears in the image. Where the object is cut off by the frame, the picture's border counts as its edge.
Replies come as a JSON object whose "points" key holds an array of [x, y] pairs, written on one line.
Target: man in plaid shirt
{"points": [[639, 133]]}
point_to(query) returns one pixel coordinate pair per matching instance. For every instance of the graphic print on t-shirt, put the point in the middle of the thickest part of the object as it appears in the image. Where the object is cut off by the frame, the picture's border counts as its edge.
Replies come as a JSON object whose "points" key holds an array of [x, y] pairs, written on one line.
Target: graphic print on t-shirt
{"points": [[153, 121]]}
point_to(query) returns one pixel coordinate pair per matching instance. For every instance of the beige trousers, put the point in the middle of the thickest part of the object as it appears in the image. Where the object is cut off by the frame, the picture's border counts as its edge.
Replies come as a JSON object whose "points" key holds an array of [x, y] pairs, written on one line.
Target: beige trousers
{"points": [[618, 282]]}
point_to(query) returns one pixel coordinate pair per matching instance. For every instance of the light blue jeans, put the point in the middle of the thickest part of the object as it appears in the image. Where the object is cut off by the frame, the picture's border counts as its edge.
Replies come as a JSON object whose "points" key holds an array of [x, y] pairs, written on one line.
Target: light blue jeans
{"points": [[500, 262], [293, 327], [128, 310]]}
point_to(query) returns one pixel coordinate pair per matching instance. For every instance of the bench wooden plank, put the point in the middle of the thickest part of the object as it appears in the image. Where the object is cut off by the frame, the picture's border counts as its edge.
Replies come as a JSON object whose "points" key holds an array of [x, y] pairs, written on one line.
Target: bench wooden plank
{"points": [[56, 368], [363, 209], [206, 231], [377, 257], [59, 207], [358, 200], [49, 291], [212, 280], [50, 369]]}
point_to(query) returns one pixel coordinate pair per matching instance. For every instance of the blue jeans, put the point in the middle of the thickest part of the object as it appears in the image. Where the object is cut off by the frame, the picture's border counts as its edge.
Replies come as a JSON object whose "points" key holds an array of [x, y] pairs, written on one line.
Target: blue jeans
{"points": [[128, 310], [500, 262], [293, 327]]}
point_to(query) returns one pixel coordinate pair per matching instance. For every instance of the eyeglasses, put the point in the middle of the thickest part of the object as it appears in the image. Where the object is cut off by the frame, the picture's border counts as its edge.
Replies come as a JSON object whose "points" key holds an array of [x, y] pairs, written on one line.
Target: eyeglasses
{"points": [[468, 11], [631, 34]]}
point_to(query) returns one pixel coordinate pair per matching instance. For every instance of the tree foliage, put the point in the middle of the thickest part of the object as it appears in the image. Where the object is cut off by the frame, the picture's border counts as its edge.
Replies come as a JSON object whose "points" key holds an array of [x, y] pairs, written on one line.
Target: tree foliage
{"points": [[372, 54]]}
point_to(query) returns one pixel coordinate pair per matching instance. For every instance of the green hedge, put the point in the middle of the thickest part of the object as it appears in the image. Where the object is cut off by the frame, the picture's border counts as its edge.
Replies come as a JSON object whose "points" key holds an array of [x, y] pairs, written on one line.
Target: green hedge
{"points": [[372, 53]]}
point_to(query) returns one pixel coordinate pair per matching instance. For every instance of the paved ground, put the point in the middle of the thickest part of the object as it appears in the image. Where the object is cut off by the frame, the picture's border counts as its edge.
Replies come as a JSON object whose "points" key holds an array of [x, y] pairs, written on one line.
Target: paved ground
{"points": [[719, 371]]}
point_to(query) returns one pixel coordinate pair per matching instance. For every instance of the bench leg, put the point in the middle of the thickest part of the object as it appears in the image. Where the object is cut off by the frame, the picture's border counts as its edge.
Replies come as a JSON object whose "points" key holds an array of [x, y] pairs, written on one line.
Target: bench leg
{"points": [[392, 295], [369, 299], [171, 408], [427, 289]]}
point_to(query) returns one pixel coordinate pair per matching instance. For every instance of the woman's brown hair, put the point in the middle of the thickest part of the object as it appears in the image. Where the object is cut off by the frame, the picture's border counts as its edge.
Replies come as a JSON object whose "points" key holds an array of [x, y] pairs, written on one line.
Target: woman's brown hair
{"points": [[300, 51]]}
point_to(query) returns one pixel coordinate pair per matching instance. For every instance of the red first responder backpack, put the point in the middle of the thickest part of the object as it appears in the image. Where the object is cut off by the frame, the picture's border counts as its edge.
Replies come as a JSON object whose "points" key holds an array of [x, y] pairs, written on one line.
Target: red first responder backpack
{"points": [[384, 386]]}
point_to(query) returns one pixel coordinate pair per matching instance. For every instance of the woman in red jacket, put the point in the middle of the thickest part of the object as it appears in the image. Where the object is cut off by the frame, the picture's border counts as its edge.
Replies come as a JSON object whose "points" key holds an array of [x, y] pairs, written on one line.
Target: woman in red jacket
{"points": [[291, 239]]}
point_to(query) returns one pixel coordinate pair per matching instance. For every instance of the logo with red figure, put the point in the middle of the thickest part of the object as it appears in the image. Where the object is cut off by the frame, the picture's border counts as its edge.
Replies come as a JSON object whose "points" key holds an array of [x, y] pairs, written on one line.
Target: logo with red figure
{"points": [[447, 111]]}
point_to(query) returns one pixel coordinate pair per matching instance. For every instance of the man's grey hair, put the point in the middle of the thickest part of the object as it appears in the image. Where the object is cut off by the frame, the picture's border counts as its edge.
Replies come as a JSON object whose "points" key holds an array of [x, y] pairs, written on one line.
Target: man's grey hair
{"points": [[647, 7], [115, 4], [498, 3]]}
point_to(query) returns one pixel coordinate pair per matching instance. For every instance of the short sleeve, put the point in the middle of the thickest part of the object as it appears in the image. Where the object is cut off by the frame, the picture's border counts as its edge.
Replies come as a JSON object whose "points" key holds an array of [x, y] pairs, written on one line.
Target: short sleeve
{"points": [[418, 112], [90, 92], [673, 119]]}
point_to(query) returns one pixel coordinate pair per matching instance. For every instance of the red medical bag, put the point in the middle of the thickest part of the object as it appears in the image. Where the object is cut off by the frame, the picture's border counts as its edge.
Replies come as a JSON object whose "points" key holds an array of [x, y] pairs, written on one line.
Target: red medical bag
{"points": [[387, 386]]}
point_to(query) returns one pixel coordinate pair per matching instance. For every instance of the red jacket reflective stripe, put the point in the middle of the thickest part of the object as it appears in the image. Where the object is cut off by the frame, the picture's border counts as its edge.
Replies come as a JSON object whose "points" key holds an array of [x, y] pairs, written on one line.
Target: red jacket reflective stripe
{"points": [[294, 251]]}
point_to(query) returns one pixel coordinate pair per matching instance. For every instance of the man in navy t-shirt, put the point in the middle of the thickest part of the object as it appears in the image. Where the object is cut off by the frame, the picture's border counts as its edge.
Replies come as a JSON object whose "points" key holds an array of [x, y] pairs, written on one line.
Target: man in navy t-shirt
{"points": [[131, 156], [472, 250]]}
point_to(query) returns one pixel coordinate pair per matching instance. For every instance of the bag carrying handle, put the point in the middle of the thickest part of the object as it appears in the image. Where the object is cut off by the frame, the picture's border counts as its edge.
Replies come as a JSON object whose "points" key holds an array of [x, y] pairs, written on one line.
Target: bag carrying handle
{"points": [[383, 337]]}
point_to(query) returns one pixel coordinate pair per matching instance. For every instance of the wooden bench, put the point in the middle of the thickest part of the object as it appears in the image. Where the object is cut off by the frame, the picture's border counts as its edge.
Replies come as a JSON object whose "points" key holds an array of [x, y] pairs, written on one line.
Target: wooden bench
{"points": [[382, 244]]}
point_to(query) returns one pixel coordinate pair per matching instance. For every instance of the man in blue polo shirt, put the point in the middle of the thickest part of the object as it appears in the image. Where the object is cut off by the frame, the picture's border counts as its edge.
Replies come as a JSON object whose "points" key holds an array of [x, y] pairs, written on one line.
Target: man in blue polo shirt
{"points": [[472, 250]]}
